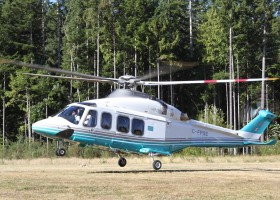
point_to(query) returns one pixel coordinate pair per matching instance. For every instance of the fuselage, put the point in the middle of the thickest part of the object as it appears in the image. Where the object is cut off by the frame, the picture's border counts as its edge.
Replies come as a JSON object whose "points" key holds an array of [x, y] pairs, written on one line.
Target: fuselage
{"points": [[135, 123]]}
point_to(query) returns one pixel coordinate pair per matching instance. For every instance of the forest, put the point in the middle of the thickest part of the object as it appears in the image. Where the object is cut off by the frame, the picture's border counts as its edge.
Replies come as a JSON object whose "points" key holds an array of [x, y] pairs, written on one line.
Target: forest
{"points": [[109, 38]]}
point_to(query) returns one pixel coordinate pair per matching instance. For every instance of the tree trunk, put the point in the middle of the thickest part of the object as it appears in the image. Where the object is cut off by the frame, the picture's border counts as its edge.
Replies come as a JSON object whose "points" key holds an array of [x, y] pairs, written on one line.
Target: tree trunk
{"points": [[97, 52], [28, 116], [4, 105], [191, 31], [43, 32], [263, 68], [231, 77], [59, 35]]}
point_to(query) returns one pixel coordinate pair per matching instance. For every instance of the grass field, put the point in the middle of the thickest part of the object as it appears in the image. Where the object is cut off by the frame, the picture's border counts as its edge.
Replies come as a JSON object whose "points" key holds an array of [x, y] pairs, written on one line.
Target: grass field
{"points": [[189, 178]]}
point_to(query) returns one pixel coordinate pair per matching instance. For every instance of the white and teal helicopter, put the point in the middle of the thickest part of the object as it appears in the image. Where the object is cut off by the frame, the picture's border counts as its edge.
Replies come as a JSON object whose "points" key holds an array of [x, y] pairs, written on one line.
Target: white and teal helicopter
{"points": [[131, 121]]}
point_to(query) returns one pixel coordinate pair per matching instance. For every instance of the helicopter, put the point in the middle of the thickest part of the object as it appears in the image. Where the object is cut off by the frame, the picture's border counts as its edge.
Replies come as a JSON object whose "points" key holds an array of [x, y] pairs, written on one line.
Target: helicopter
{"points": [[131, 121]]}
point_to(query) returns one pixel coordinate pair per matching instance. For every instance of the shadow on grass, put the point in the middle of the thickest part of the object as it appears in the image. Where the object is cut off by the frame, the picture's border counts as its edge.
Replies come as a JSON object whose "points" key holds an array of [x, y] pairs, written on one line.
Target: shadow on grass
{"points": [[183, 171]]}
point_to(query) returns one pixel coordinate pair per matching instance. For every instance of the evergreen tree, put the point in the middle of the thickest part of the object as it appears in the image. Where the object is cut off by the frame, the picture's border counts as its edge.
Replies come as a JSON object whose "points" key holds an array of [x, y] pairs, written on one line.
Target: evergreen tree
{"points": [[111, 38]]}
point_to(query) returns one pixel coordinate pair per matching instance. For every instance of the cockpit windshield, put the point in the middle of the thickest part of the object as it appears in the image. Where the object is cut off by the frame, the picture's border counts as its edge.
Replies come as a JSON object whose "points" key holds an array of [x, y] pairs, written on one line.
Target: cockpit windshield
{"points": [[73, 114]]}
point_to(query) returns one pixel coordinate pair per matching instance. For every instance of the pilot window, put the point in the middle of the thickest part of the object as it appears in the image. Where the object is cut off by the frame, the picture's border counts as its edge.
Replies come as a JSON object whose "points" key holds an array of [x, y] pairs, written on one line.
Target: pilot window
{"points": [[137, 127], [106, 120], [73, 114], [91, 119], [123, 124]]}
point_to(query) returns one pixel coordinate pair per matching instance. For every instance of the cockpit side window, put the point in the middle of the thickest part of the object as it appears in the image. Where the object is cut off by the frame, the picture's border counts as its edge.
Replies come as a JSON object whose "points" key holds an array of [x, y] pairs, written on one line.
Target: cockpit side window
{"points": [[106, 120], [91, 119], [73, 114]]}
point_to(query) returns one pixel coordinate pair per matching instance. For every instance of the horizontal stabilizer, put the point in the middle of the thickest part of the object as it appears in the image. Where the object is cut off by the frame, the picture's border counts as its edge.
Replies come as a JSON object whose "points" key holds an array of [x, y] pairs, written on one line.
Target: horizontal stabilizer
{"points": [[270, 142]]}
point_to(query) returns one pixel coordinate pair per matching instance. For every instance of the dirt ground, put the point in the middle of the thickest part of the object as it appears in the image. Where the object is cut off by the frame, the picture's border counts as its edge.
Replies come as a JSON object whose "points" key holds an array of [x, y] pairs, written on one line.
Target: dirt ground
{"points": [[189, 178]]}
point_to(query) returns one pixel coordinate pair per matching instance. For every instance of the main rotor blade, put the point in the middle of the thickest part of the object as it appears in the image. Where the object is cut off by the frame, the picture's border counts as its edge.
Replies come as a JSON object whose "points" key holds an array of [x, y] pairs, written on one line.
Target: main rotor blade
{"points": [[56, 70], [154, 83], [67, 78], [167, 67]]}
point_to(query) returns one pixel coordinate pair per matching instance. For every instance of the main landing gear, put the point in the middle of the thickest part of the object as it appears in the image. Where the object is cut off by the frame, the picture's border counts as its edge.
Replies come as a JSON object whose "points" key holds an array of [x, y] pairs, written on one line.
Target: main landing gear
{"points": [[156, 163]]}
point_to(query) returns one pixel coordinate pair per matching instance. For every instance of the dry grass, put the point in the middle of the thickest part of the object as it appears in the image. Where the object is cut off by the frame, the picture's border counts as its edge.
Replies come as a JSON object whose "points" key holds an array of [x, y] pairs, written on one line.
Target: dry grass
{"points": [[190, 178]]}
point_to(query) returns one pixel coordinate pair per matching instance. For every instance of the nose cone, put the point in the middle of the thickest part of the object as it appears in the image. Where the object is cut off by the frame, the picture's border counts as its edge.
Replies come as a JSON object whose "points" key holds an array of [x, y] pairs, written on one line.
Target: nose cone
{"points": [[50, 127]]}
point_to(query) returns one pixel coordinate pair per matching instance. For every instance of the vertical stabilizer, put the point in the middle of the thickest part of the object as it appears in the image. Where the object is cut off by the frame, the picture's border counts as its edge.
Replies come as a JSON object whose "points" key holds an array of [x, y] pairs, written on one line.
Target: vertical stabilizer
{"points": [[255, 128]]}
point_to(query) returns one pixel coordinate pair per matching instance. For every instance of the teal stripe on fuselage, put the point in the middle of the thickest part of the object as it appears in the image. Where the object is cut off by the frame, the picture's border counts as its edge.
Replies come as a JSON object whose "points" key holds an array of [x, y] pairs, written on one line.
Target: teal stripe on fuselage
{"points": [[51, 132], [135, 144]]}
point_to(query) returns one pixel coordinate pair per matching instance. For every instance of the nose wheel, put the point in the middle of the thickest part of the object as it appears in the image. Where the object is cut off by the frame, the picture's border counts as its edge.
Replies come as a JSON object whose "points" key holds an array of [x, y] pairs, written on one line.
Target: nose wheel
{"points": [[122, 162], [59, 150]]}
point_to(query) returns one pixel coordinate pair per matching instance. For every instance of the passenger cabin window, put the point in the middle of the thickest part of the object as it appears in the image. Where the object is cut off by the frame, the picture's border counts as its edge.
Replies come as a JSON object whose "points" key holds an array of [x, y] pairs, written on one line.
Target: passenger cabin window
{"points": [[137, 127], [72, 113], [123, 124], [91, 119], [106, 120]]}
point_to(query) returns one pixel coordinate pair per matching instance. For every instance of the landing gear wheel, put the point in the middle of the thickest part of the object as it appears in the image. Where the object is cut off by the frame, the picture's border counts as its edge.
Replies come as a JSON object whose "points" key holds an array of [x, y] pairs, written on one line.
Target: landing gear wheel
{"points": [[122, 162], [157, 164], [57, 152], [60, 152]]}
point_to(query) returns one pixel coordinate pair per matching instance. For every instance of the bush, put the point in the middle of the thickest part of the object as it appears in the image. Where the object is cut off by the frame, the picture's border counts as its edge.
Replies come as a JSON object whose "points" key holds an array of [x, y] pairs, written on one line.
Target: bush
{"points": [[268, 150], [22, 149]]}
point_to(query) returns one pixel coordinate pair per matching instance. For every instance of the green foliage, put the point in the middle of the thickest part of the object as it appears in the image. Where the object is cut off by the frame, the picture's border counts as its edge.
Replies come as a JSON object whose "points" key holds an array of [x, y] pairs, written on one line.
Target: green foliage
{"points": [[134, 34], [213, 35], [212, 115], [268, 150], [21, 149], [274, 131], [192, 151]]}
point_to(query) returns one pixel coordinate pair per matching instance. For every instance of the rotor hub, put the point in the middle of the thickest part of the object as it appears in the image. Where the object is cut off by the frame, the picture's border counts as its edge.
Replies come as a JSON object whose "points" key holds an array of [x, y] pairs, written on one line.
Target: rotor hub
{"points": [[129, 81]]}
